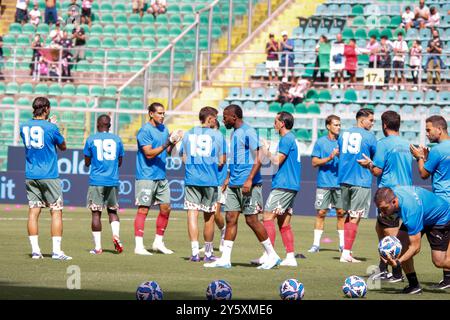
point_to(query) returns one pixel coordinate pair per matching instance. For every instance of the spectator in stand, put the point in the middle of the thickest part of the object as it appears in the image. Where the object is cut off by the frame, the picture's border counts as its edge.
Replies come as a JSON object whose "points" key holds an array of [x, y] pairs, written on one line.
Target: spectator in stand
{"points": [[35, 15], [351, 53], [157, 7], [138, 7], [86, 12], [384, 53], [79, 38], [373, 47], [434, 61], [66, 63], [22, 11], [323, 40], [407, 18], [1, 59], [272, 63], [421, 15], [298, 92], [283, 91], [339, 75], [56, 34], [51, 15], [287, 49], [434, 20], [400, 48], [415, 62], [34, 65], [74, 13]]}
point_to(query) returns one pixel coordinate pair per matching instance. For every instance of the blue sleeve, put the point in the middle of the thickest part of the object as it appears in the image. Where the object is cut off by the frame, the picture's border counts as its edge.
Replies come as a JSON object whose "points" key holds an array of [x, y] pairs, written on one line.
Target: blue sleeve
{"points": [[182, 147], [285, 145], [379, 160], [87, 148], [433, 161], [121, 149], [414, 218], [317, 151], [224, 144], [144, 138], [57, 136], [253, 141], [373, 146]]}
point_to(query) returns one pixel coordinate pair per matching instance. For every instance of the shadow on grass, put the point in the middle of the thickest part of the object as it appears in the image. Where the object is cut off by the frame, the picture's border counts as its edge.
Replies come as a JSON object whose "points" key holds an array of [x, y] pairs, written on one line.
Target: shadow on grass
{"points": [[358, 258], [9, 291]]}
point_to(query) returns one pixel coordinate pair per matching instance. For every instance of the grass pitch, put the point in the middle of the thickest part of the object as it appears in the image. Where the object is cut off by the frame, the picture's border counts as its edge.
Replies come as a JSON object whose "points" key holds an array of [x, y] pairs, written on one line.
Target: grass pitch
{"points": [[113, 276]]}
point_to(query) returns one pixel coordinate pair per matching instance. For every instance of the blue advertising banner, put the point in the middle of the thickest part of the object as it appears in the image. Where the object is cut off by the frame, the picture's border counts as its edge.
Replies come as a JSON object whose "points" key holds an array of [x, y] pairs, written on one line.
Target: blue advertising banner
{"points": [[74, 179]]}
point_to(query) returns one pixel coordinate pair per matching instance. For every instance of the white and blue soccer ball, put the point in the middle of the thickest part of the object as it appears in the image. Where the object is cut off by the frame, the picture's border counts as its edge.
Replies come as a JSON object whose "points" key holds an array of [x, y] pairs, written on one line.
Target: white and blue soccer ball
{"points": [[292, 289], [354, 287], [149, 291], [219, 290], [390, 246]]}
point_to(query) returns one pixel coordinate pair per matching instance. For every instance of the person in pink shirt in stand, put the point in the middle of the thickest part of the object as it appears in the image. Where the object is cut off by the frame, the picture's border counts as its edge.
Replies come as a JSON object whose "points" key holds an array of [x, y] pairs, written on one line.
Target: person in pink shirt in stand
{"points": [[372, 47]]}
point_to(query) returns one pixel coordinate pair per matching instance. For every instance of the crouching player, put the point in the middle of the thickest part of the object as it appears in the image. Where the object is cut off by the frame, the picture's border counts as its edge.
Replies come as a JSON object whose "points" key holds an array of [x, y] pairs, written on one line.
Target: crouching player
{"points": [[422, 212], [103, 152]]}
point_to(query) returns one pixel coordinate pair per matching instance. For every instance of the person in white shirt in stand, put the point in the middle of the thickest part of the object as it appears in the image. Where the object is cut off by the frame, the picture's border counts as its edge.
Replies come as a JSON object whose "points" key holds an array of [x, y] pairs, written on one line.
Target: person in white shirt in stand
{"points": [[297, 92], [407, 18], [415, 61], [421, 14], [434, 20], [35, 15], [400, 48]]}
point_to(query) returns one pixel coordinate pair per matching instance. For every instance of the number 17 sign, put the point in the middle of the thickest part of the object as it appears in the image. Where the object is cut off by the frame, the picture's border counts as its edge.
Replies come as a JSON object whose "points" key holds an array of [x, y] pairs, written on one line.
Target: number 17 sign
{"points": [[373, 77]]}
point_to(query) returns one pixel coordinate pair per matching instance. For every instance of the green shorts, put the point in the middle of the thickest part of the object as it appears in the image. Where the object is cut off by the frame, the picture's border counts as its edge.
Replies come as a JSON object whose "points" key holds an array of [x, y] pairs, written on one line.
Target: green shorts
{"points": [[356, 200], [200, 198], [152, 192], [248, 205], [100, 197], [328, 198], [44, 193], [281, 201]]}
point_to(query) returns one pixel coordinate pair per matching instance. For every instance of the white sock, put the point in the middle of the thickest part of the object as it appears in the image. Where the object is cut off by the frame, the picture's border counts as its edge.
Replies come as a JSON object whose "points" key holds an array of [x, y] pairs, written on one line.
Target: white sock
{"points": [[115, 227], [209, 249], [290, 255], [97, 239], [34, 244], [268, 247], [56, 244], [346, 253], [317, 236], [341, 238], [195, 248], [226, 253], [139, 241], [222, 233], [158, 239]]}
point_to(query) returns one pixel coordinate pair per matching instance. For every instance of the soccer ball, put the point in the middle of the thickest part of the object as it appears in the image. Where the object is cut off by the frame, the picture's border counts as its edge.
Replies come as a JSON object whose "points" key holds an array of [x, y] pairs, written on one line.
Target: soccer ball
{"points": [[354, 287], [219, 290], [149, 291], [292, 289], [390, 247]]}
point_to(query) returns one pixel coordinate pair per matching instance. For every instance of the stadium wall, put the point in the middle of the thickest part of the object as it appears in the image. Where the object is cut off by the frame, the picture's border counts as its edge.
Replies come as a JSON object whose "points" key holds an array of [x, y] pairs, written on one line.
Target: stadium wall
{"points": [[74, 178]]}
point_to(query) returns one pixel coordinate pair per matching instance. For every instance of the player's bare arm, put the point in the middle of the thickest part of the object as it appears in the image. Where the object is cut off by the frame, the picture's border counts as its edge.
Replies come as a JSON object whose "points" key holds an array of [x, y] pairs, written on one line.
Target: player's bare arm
{"points": [[413, 249], [87, 161], [276, 159], [318, 162], [62, 146], [420, 153], [368, 164]]}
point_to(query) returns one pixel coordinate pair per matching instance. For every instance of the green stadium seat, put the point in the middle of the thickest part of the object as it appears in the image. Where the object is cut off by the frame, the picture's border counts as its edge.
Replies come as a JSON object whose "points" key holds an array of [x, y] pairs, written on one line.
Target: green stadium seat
{"points": [[2, 87], [65, 103], [162, 20], [15, 28], [108, 43], [176, 20], [136, 31], [97, 91], [110, 91], [372, 22], [387, 33], [347, 34], [186, 9], [109, 30], [162, 43], [360, 34], [135, 43], [122, 31], [395, 21], [137, 105], [358, 10], [375, 33], [288, 107], [350, 96], [23, 41], [303, 135], [55, 90], [41, 89], [384, 22], [311, 95], [313, 109], [68, 90], [82, 90], [121, 43], [124, 104], [173, 9], [107, 18], [275, 107], [300, 108], [359, 22], [107, 104], [80, 104], [134, 18], [148, 19], [26, 88], [119, 7], [93, 42], [149, 43], [324, 96], [43, 29], [174, 32]]}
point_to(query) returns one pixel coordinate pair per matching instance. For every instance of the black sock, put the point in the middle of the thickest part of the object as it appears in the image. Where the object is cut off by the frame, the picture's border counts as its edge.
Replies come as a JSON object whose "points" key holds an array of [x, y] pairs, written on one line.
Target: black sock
{"points": [[412, 279], [446, 276], [397, 272], [383, 266]]}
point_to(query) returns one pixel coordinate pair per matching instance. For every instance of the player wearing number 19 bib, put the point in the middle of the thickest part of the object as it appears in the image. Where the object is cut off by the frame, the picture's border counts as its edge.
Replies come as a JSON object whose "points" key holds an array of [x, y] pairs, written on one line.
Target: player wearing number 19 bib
{"points": [[103, 152], [203, 150], [355, 181], [41, 140]]}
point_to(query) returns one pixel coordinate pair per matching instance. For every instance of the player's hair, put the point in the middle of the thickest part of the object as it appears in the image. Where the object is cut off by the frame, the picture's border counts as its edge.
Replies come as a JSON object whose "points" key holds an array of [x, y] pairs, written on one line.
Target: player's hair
{"points": [[104, 121], [383, 194], [391, 120], [153, 106], [205, 112], [287, 119], [364, 113], [330, 118], [40, 104], [437, 122], [236, 110]]}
